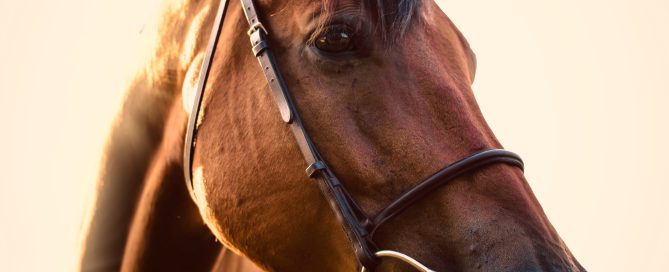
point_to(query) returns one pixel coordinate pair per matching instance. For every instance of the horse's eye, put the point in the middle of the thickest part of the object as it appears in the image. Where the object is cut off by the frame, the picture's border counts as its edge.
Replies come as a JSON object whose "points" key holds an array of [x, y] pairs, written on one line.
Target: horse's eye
{"points": [[335, 41]]}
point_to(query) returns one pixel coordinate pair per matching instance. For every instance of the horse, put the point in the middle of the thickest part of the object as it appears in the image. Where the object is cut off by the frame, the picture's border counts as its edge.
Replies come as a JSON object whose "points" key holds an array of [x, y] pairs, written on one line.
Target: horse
{"points": [[382, 88]]}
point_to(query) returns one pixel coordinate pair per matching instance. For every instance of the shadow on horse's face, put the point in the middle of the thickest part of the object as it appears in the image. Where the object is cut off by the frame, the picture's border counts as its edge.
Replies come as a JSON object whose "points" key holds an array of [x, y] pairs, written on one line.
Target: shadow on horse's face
{"points": [[387, 101]]}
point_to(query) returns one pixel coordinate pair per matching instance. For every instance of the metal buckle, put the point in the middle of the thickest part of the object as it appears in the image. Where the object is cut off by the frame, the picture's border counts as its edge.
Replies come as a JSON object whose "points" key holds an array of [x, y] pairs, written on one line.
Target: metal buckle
{"points": [[402, 257], [255, 27], [314, 167]]}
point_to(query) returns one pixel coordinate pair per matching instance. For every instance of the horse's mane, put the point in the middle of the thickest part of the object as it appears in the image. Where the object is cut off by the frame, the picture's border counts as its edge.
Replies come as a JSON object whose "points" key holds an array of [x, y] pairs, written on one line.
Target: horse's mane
{"points": [[135, 136]]}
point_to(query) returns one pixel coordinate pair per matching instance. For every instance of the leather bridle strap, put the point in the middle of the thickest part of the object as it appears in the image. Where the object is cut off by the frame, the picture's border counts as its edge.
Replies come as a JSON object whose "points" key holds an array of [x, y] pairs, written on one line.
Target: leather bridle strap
{"points": [[345, 208], [359, 227], [450, 172], [347, 211], [193, 118]]}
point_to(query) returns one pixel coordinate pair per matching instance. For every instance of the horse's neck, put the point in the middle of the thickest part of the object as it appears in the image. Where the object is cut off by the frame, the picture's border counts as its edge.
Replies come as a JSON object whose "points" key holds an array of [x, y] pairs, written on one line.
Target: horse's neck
{"points": [[167, 231], [130, 157], [132, 143]]}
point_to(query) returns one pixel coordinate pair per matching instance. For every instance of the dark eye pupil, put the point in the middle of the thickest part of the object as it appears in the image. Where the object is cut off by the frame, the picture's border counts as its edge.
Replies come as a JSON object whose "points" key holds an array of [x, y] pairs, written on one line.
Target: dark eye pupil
{"points": [[334, 41]]}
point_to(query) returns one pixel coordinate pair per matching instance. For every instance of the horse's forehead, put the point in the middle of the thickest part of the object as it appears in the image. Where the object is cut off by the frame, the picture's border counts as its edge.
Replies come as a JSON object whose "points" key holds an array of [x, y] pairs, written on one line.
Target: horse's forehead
{"points": [[275, 5]]}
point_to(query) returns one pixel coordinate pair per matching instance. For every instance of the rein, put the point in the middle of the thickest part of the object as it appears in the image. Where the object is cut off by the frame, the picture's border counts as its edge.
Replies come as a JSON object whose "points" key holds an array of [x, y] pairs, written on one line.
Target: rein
{"points": [[358, 226]]}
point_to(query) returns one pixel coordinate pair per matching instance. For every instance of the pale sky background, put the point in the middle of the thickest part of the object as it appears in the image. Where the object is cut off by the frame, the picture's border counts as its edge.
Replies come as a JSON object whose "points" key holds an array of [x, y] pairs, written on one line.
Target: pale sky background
{"points": [[579, 88]]}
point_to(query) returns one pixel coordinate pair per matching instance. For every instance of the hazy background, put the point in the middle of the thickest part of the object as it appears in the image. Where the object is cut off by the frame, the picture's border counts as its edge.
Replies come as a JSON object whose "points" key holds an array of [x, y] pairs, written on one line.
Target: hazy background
{"points": [[578, 88]]}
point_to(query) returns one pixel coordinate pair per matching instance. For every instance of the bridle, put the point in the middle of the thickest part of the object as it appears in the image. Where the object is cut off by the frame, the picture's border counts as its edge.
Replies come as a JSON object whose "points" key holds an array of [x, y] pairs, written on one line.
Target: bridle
{"points": [[358, 226]]}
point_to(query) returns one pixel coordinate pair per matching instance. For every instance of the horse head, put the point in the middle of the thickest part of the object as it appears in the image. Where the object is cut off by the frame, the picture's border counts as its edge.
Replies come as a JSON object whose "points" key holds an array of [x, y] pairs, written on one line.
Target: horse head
{"points": [[383, 89]]}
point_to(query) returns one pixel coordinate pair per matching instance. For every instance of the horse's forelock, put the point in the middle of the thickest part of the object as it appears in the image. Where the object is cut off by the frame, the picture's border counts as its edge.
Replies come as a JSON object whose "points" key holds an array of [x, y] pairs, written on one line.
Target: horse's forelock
{"points": [[391, 18]]}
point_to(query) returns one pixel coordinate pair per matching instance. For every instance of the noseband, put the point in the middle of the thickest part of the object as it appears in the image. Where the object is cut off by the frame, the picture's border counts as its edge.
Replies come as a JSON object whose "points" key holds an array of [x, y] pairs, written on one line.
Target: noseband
{"points": [[358, 226]]}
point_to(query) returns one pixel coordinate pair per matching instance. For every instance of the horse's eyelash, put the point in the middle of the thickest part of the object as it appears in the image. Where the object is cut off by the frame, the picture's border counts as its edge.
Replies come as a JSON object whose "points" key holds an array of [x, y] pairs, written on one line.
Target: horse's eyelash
{"points": [[323, 30]]}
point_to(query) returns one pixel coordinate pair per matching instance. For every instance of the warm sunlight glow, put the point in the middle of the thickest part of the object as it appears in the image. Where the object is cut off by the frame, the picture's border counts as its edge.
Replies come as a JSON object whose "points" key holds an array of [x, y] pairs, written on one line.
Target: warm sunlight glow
{"points": [[578, 88], [63, 67]]}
